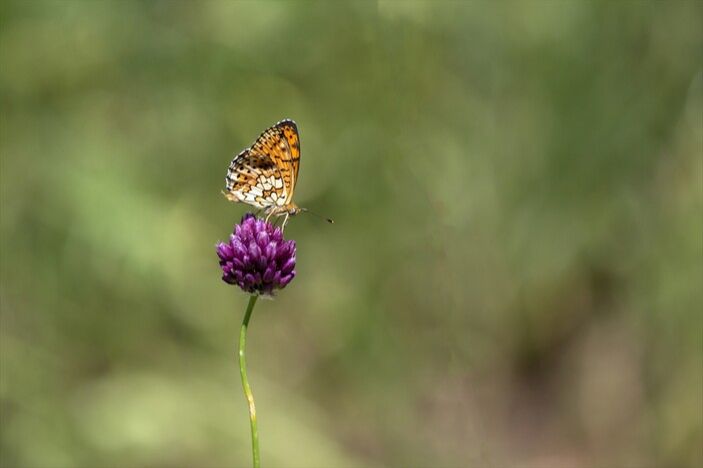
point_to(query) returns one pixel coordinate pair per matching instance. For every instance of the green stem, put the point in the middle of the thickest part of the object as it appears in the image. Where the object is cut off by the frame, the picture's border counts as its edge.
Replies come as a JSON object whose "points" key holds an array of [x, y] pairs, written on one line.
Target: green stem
{"points": [[245, 381]]}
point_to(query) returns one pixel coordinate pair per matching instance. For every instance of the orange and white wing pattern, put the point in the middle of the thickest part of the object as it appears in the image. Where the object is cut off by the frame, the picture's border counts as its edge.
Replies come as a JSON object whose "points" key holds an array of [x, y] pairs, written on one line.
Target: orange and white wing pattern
{"points": [[265, 174]]}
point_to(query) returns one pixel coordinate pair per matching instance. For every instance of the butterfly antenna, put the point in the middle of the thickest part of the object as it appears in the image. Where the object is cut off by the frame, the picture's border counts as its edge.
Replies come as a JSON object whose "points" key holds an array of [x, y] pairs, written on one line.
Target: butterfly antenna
{"points": [[305, 210]]}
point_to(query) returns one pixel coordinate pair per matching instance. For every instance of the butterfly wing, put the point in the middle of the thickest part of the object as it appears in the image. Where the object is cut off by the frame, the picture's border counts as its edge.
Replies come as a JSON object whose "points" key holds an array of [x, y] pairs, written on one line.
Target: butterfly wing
{"points": [[265, 174], [282, 144], [290, 133], [247, 177]]}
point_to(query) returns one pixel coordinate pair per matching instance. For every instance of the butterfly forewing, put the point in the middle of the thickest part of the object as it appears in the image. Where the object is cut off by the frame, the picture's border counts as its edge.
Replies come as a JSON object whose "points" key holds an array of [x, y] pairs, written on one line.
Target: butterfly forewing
{"points": [[264, 175], [290, 133]]}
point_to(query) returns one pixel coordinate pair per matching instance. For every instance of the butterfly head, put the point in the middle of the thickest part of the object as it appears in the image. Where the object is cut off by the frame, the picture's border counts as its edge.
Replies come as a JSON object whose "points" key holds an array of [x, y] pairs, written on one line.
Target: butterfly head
{"points": [[293, 209]]}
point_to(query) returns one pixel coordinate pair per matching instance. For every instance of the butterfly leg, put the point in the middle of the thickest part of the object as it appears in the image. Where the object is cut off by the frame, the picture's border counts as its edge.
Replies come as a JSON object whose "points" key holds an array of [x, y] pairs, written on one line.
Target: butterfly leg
{"points": [[285, 220]]}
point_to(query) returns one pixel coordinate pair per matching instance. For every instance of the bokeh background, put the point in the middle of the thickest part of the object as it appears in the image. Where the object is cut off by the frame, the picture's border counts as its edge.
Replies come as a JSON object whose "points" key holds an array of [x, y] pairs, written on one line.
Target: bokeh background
{"points": [[514, 276]]}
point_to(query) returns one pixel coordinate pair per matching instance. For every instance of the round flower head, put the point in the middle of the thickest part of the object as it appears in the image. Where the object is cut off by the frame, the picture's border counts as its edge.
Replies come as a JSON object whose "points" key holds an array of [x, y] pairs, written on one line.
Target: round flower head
{"points": [[256, 258]]}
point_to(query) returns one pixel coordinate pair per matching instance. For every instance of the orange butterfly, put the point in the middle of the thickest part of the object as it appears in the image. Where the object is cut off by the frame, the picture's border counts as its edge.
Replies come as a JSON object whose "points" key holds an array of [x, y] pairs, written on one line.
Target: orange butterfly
{"points": [[265, 174]]}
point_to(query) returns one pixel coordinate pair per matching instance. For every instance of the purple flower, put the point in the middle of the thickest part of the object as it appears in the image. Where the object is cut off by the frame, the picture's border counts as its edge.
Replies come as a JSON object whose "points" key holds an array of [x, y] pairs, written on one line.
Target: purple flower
{"points": [[256, 258]]}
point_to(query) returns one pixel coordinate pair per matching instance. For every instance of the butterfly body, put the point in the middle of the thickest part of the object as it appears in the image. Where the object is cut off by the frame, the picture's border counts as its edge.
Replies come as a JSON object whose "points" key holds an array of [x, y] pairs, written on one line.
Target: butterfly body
{"points": [[264, 175]]}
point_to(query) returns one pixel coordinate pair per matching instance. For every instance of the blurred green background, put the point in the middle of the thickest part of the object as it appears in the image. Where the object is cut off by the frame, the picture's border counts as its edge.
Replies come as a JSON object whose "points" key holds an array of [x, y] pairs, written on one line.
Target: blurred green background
{"points": [[513, 279]]}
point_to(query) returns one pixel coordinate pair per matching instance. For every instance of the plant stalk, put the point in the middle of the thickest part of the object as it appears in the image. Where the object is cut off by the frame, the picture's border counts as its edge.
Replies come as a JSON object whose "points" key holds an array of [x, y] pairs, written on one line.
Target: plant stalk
{"points": [[245, 381]]}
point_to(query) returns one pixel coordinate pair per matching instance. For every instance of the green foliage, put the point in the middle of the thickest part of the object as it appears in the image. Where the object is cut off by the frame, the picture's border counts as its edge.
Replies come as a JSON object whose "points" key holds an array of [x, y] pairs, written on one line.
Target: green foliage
{"points": [[514, 273]]}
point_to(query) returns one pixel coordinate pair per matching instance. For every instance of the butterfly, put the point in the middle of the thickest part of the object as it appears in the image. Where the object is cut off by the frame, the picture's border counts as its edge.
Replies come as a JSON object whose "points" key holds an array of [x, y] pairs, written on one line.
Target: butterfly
{"points": [[264, 175]]}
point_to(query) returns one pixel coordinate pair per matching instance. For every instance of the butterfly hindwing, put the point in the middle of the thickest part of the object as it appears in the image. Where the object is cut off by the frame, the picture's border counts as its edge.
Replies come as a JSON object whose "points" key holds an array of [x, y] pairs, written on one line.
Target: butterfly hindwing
{"points": [[245, 176]]}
